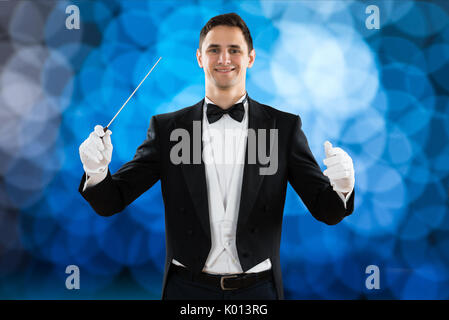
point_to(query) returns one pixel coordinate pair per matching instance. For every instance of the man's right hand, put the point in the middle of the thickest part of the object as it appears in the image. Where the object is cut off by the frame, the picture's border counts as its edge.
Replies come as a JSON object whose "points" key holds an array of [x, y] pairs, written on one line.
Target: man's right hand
{"points": [[96, 151]]}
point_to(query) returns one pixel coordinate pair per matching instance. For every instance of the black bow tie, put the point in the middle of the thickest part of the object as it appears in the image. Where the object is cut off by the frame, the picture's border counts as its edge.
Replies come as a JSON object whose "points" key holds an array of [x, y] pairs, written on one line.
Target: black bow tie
{"points": [[214, 112]]}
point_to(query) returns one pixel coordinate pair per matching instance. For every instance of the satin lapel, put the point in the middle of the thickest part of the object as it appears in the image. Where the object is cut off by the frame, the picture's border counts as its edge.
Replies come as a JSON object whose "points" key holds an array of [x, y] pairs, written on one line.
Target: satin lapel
{"points": [[194, 173], [252, 179]]}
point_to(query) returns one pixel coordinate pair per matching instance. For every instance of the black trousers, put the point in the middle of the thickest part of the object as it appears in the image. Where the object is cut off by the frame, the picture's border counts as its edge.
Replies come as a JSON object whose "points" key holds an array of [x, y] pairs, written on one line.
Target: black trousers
{"points": [[180, 288]]}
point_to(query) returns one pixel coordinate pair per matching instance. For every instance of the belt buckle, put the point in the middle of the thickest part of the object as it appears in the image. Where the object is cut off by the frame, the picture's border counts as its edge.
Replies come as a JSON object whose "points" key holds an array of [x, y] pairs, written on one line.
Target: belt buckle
{"points": [[222, 282]]}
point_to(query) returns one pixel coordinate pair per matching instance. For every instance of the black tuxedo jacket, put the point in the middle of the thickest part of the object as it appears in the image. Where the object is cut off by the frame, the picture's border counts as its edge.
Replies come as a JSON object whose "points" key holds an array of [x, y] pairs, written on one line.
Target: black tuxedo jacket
{"points": [[184, 190]]}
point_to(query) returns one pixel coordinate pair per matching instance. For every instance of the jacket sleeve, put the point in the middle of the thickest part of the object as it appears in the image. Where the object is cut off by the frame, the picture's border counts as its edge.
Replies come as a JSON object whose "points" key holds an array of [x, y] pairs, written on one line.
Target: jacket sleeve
{"points": [[314, 188], [117, 191]]}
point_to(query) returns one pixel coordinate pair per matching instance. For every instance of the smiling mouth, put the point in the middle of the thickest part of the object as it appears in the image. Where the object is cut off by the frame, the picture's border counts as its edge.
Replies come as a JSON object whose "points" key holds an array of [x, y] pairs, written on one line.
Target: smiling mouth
{"points": [[224, 70]]}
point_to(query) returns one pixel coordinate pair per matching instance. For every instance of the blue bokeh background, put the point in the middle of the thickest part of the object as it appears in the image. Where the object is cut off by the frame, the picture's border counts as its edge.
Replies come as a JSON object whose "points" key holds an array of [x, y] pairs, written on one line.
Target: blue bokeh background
{"points": [[380, 94]]}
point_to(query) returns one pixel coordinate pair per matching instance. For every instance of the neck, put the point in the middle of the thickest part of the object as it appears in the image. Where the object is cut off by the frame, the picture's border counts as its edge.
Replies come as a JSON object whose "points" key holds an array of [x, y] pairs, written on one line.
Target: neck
{"points": [[224, 98]]}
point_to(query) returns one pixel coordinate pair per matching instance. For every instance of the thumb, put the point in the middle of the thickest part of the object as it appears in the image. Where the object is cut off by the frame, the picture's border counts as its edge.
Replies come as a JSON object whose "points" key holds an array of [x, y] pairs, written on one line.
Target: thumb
{"points": [[328, 149], [107, 139], [99, 130]]}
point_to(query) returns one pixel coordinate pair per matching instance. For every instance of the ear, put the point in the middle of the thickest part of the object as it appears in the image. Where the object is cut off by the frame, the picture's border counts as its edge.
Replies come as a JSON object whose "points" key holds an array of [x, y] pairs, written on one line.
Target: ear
{"points": [[252, 57], [199, 58]]}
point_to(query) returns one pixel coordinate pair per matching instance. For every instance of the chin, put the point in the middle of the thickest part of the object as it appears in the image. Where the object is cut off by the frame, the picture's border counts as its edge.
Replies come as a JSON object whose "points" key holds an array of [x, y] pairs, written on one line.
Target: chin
{"points": [[225, 84]]}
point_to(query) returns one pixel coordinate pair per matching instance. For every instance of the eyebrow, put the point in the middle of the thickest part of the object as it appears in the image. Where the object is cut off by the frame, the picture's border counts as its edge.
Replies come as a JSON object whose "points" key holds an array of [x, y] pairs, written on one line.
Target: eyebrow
{"points": [[217, 46]]}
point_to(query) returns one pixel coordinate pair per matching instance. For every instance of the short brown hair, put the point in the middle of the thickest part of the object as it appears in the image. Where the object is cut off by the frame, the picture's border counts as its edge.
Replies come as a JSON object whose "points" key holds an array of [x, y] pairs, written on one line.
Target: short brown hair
{"points": [[228, 19]]}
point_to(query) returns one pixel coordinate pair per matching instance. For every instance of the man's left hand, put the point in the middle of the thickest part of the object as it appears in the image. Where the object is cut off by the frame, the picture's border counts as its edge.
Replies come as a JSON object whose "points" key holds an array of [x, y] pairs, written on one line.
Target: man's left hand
{"points": [[340, 169]]}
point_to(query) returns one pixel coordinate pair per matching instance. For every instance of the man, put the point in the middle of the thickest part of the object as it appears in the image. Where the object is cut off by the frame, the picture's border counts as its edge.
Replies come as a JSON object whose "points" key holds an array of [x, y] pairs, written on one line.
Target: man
{"points": [[223, 219]]}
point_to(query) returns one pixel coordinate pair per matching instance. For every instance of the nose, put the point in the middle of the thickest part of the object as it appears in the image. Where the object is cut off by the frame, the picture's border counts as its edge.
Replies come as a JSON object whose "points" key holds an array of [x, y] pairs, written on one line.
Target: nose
{"points": [[224, 58]]}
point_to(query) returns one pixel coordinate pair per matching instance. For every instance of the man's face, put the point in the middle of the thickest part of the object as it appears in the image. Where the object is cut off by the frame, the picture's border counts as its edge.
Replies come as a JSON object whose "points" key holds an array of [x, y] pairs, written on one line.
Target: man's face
{"points": [[224, 57]]}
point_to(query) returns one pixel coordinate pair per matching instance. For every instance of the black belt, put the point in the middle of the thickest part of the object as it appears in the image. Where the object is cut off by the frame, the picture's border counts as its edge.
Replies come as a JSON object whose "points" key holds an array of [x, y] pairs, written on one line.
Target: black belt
{"points": [[223, 282]]}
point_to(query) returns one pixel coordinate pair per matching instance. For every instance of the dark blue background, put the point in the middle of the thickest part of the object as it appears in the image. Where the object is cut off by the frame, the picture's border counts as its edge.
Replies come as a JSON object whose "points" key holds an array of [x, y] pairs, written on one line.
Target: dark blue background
{"points": [[381, 95]]}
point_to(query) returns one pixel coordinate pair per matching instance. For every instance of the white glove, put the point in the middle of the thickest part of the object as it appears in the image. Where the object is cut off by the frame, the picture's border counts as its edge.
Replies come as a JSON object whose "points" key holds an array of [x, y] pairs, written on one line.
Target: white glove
{"points": [[340, 169], [96, 151]]}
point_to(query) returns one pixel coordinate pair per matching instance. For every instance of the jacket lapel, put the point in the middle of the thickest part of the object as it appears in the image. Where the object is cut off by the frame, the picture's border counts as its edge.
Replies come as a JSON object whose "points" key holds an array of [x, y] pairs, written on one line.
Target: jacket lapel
{"points": [[252, 179], [194, 173]]}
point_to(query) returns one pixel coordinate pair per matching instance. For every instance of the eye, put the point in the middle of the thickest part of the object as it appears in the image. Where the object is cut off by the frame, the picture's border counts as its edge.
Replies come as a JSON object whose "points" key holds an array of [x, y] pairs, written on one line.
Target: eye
{"points": [[235, 50], [213, 50]]}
